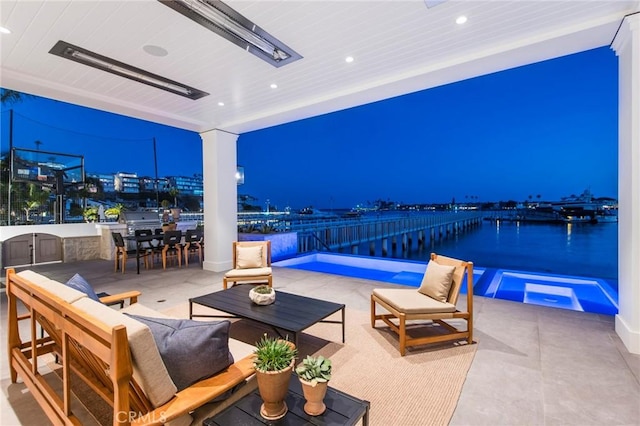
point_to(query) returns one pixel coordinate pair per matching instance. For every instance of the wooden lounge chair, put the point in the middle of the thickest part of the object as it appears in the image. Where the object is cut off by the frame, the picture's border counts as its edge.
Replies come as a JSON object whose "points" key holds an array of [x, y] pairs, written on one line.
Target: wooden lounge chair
{"points": [[251, 262], [434, 301]]}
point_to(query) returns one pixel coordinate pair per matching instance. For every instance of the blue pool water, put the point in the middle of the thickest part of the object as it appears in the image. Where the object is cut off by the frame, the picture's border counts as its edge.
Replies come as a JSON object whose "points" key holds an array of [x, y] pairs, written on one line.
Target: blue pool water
{"points": [[576, 293]]}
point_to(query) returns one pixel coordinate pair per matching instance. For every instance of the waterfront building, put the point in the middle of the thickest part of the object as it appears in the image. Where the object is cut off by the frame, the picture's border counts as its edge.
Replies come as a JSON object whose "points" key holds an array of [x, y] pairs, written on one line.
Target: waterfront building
{"points": [[187, 185], [127, 183], [107, 180], [148, 184]]}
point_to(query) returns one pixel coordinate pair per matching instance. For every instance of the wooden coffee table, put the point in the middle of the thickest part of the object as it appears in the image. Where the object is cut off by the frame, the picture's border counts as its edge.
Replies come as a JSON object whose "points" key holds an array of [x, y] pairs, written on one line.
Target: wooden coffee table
{"points": [[289, 313], [342, 409]]}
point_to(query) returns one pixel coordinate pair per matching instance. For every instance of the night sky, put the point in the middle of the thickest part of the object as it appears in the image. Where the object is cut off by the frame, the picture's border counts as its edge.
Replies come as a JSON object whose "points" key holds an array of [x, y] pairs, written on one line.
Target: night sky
{"points": [[547, 128]]}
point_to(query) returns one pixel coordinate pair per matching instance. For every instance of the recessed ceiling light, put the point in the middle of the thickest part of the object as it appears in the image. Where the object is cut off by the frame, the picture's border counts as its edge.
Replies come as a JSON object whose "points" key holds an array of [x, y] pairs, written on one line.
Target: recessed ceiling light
{"points": [[4, 30], [461, 20], [220, 103], [349, 59], [155, 50], [274, 86]]}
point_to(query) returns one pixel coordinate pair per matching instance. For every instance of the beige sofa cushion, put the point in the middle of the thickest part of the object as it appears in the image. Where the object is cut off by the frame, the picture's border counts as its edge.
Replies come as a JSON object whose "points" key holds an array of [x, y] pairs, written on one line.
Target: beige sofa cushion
{"points": [[148, 369], [411, 302], [240, 349], [62, 291], [143, 311], [437, 281]]}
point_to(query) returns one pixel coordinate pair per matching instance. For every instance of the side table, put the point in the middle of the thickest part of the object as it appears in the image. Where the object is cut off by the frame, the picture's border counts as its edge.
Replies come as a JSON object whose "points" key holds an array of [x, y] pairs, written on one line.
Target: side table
{"points": [[342, 409]]}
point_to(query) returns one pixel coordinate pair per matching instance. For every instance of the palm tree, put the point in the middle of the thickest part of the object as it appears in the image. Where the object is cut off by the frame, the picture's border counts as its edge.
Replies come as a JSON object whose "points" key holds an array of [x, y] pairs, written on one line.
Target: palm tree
{"points": [[28, 206], [36, 198], [174, 193], [11, 97]]}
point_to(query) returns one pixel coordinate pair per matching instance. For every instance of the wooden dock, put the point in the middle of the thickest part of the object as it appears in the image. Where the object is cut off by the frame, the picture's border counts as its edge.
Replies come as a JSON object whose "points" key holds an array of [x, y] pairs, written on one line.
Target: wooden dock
{"points": [[335, 235]]}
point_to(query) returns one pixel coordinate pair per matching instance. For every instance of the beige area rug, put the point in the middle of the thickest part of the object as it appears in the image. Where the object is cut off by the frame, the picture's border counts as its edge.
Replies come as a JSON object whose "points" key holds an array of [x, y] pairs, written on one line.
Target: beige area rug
{"points": [[421, 388], [28, 412]]}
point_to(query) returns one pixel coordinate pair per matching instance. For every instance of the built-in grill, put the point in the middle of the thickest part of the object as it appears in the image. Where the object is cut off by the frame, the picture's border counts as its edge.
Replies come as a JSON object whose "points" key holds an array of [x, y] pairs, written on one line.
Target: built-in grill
{"points": [[139, 220]]}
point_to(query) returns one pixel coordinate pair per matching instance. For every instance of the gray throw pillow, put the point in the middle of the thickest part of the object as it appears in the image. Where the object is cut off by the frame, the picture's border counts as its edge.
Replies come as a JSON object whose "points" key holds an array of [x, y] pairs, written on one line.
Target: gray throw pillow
{"points": [[80, 284], [191, 350]]}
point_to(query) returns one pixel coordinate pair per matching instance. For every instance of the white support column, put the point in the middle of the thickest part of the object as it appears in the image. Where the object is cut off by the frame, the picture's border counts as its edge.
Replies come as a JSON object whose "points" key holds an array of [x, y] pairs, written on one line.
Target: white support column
{"points": [[220, 198], [627, 47]]}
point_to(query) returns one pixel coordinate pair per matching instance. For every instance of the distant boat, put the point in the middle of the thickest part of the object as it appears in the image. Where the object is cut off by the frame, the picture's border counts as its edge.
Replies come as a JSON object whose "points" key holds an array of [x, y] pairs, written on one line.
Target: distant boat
{"points": [[608, 215], [315, 213], [574, 209], [352, 214], [542, 214]]}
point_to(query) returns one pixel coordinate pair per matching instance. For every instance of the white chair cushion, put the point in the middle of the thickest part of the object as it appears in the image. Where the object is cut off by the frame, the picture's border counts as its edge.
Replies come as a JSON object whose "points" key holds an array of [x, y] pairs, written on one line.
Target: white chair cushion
{"points": [[248, 257], [411, 302], [437, 280], [255, 272]]}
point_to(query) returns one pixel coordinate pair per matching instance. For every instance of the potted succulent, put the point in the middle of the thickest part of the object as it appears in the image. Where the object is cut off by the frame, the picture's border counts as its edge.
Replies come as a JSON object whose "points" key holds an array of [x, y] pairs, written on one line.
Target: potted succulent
{"points": [[262, 295], [274, 361], [314, 374]]}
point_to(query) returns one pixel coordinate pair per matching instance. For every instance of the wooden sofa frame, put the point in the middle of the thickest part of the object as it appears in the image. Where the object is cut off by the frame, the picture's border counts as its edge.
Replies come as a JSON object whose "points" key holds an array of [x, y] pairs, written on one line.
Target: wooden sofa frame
{"points": [[96, 353]]}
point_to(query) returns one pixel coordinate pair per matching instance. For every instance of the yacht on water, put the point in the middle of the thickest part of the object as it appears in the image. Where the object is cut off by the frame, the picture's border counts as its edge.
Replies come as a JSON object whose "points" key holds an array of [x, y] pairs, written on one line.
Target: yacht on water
{"points": [[584, 208]]}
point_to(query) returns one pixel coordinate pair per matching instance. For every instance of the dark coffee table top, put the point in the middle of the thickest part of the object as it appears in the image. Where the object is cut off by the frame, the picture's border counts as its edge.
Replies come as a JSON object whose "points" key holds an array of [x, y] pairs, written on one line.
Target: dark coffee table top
{"points": [[289, 312], [342, 409]]}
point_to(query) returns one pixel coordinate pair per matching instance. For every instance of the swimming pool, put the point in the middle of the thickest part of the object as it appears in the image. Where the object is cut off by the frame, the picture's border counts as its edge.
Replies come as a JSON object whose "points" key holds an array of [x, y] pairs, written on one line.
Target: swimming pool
{"points": [[575, 293]]}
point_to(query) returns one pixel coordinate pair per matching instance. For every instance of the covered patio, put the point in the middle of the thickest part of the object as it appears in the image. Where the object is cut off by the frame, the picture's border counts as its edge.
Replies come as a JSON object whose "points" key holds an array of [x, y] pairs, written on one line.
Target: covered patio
{"points": [[163, 67], [563, 367], [533, 365]]}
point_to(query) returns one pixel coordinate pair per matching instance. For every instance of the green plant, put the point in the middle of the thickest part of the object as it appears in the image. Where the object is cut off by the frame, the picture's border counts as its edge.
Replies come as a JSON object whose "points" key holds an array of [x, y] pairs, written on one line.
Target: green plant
{"points": [[247, 229], [114, 212], [315, 369], [273, 354], [267, 229], [90, 214], [263, 289]]}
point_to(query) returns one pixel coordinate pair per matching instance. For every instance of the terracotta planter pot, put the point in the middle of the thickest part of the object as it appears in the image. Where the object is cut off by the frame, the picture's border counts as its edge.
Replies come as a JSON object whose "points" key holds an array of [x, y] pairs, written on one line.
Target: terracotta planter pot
{"points": [[273, 387], [314, 396], [175, 213], [170, 227]]}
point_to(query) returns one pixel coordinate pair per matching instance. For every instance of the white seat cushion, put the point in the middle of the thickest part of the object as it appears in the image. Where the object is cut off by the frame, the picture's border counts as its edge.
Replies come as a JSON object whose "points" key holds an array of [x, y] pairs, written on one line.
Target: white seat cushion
{"points": [[411, 301], [254, 272]]}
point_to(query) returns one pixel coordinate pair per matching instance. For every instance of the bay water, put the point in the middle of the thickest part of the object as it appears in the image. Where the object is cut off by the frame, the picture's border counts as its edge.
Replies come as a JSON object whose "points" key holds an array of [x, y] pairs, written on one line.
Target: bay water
{"points": [[585, 249]]}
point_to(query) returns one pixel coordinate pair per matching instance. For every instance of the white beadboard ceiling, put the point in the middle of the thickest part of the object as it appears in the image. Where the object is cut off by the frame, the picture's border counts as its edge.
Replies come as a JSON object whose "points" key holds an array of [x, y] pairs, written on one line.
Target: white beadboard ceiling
{"points": [[399, 47]]}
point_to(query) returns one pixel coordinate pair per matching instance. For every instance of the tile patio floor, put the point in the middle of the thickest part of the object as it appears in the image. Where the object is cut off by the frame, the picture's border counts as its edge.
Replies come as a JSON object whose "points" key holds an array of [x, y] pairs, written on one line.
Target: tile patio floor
{"points": [[534, 365]]}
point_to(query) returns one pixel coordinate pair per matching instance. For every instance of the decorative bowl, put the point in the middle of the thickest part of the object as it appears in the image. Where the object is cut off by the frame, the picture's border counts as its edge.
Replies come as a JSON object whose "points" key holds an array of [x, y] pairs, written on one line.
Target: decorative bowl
{"points": [[262, 298]]}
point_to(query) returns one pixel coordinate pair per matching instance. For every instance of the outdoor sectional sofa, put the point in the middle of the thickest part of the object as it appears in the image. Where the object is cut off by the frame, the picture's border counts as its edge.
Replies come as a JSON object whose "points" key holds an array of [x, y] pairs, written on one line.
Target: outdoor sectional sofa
{"points": [[113, 353]]}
